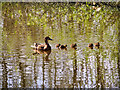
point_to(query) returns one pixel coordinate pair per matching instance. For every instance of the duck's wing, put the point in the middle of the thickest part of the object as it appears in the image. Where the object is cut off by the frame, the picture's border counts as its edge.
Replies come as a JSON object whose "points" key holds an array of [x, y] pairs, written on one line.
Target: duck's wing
{"points": [[40, 47]]}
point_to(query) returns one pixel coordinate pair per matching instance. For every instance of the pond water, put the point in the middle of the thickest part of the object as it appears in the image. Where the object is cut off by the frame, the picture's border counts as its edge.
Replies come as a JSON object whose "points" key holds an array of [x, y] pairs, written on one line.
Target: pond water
{"points": [[22, 24]]}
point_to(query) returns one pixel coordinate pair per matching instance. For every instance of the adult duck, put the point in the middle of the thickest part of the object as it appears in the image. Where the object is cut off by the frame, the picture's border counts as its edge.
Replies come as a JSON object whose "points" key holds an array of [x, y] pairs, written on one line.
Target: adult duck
{"points": [[46, 46]]}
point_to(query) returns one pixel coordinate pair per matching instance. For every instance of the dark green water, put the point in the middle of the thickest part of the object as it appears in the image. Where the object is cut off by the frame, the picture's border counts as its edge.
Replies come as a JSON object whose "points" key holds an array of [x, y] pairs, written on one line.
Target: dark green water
{"points": [[22, 24]]}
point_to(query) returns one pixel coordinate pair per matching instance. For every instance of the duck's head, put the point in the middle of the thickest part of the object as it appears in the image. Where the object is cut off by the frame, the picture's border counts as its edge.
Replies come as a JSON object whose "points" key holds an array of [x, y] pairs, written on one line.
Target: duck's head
{"points": [[48, 38]]}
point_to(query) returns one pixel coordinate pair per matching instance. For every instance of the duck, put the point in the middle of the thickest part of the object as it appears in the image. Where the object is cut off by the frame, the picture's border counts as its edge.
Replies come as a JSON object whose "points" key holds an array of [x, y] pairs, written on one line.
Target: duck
{"points": [[90, 45], [73, 45], [97, 45], [57, 45], [63, 46], [46, 46], [43, 47]]}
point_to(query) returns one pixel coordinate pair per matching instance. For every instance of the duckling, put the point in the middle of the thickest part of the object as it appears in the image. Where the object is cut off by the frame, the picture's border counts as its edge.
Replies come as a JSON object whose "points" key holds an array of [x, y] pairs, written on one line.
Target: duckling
{"points": [[35, 45], [63, 46], [97, 45], [46, 46], [57, 45], [90, 45], [73, 45]]}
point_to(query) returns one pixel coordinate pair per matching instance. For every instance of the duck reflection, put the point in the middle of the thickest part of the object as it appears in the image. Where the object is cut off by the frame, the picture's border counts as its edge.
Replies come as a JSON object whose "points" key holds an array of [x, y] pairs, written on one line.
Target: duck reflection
{"points": [[45, 55], [43, 52]]}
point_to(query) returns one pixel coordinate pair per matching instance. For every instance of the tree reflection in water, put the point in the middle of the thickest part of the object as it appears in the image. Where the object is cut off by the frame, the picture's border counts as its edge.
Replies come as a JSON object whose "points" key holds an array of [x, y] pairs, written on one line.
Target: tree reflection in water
{"points": [[67, 23]]}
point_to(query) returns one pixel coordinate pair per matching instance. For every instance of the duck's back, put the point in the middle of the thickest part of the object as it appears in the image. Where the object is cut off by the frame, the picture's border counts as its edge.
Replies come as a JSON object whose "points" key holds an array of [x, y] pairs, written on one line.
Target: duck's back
{"points": [[40, 47]]}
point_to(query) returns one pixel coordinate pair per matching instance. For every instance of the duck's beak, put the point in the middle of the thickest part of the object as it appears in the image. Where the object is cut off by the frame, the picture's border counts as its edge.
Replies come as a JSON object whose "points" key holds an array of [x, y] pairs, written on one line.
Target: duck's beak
{"points": [[50, 39]]}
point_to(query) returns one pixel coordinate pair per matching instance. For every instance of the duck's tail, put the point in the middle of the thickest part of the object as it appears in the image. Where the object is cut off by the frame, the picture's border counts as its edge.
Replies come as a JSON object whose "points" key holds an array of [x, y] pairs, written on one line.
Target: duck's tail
{"points": [[34, 47]]}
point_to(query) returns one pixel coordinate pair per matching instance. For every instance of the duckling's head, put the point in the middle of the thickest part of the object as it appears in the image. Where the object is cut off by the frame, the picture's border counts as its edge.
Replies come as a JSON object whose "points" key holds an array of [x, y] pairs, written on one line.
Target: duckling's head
{"points": [[58, 45], [90, 45], [73, 45], [65, 45], [97, 44], [48, 38]]}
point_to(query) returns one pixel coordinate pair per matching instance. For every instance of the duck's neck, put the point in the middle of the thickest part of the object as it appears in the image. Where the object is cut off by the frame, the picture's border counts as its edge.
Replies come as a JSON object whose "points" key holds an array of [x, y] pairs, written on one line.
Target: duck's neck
{"points": [[46, 42]]}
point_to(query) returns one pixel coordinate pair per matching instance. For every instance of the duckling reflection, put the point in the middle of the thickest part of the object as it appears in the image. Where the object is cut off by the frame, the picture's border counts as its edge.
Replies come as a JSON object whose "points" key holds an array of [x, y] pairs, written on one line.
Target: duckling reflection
{"points": [[43, 52]]}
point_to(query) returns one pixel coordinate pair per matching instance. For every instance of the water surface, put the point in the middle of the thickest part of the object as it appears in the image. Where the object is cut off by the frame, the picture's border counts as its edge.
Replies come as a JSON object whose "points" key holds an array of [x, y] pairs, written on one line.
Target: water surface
{"points": [[66, 23]]}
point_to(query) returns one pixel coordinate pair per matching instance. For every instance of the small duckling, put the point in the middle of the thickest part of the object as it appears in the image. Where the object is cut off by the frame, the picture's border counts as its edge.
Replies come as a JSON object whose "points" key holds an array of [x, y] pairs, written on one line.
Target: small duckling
{"points": [[90, 45], [73, 45], [97, 45], [57, 45], [63, 46], [35, 45]]}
